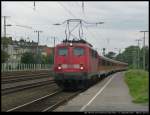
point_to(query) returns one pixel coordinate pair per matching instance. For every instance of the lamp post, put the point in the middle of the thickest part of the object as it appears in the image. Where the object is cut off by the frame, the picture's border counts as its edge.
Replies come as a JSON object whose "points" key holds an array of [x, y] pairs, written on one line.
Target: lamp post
{"points": [[119, 52], [5, 17], [38, 56], [144, 49], [138, 64]]}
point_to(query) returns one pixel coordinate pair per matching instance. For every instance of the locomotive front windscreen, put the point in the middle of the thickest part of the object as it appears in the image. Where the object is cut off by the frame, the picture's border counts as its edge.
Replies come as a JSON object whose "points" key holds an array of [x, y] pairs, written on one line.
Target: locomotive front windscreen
{"points": [[78, 51], [62, 51]]}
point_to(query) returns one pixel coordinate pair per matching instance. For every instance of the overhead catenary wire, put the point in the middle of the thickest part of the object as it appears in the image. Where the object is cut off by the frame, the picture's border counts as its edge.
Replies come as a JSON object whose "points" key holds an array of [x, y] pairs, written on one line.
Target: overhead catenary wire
{"points": [[34, 5], [22, 26], [70, 13], [84, 15], [82, 5], [78, 4], [67, 9], [71, 20]]}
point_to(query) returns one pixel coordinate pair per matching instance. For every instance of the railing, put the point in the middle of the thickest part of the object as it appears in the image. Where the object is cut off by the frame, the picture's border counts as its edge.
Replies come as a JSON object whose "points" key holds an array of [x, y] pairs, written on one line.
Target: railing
{"points": [[24, 67]]}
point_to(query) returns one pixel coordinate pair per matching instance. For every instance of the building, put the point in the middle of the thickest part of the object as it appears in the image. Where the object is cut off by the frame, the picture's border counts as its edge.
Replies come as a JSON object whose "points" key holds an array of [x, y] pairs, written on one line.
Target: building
{"points": [[15, 49]]}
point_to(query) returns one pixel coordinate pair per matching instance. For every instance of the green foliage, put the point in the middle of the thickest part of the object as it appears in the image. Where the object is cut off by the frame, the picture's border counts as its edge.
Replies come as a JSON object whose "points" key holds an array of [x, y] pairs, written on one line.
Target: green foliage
{"points": [[51, 59], [4, 56], [137, 81], [130, 56], [146, 58], [5, 41], [110, 55], [45, 59], [28, 58], [48, 59]]}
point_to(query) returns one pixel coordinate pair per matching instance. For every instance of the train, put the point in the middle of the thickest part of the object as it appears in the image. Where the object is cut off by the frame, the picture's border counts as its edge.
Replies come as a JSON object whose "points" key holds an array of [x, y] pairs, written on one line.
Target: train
{"points": [[77, 65]]}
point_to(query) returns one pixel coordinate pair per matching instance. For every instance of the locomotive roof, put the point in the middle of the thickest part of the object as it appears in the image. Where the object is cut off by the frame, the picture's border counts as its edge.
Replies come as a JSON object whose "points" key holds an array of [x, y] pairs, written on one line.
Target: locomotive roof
{"points": [[111, 60], [75, 42], [85, 43], [82, 41]]}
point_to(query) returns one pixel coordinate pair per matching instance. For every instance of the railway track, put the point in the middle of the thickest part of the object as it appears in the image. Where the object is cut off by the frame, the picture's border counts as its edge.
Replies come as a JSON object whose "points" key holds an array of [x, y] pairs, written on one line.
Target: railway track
{"points": [[25, 77], [46, 103], [25, 86], [16, 73]]}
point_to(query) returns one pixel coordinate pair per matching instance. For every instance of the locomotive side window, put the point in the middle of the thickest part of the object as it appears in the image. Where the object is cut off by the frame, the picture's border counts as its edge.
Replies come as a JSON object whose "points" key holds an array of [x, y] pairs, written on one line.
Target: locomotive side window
{"points": [[109, 63], [93, 53], [78, 51], [62, 51]]}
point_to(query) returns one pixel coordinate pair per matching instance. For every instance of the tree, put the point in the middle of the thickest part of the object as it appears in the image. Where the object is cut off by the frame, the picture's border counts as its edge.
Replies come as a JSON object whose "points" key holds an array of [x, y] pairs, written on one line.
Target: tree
{"points": [[48, 59], [28, 58], [5, 41], [45, 59], [146, 57], [4, 56], [130, 56], [110, 55], [51, 58]]}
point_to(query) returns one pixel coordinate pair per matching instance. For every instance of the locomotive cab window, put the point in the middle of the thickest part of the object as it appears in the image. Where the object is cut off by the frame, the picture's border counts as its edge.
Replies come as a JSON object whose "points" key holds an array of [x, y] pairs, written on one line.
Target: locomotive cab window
{"points": [[62, 51], [78, 51]]}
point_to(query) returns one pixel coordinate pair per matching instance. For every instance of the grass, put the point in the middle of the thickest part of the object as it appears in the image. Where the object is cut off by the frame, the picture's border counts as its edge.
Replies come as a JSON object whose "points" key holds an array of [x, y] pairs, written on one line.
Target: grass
{"points": [[138, 83]]}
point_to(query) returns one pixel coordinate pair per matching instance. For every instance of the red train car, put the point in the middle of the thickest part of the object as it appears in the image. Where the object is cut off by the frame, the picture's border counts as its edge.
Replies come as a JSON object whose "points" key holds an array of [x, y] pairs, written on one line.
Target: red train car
{"points": [[78, 65]]}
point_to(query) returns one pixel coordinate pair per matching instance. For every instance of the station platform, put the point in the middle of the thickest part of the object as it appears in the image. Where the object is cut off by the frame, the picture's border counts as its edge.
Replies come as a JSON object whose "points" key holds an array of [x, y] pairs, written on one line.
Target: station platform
{"points": [[110, 94]]}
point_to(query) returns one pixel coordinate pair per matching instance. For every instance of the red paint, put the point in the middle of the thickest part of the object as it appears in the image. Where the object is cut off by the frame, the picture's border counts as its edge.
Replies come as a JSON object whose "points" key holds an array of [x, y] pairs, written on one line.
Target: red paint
{"points": [[89, 63]]}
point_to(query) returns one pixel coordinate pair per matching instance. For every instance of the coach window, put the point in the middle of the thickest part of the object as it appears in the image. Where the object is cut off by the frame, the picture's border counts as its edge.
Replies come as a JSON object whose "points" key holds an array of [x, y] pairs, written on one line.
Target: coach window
{"points": [[62, 51], [111, 63], [94, 54], [103, 62], [107, 63], [78, 51]]}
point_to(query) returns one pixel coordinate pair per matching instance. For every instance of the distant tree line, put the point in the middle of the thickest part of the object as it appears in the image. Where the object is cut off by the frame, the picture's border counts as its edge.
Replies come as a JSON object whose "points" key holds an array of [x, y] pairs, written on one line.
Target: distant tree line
{"points": [[131, 55], [30, 58], [5, 41]]}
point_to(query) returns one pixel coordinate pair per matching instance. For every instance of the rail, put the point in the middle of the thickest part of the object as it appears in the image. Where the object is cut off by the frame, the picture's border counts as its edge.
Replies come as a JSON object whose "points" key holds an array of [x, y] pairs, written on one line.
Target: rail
{"points": [[25, 86], [46, 103]]}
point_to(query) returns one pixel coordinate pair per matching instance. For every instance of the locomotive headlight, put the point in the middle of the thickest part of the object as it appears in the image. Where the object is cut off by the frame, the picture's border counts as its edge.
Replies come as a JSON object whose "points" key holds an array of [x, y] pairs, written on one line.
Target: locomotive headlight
{"points": [[81, 67], [70, 44], [59, 67]]}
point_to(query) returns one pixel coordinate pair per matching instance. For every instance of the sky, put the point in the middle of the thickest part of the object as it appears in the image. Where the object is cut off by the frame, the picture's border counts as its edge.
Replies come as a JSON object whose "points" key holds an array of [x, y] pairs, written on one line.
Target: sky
{"points": [[122, 22]]}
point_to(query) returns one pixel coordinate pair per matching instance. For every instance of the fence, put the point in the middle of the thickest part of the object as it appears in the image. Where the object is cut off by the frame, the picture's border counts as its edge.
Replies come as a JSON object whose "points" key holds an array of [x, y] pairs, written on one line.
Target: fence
{"points": [[23, 67]]}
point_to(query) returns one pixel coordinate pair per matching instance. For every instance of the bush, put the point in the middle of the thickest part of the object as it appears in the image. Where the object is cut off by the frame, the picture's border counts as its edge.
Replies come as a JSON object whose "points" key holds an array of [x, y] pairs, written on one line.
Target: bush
{"points": [[4, 56], [137, 81], [28, 58]]}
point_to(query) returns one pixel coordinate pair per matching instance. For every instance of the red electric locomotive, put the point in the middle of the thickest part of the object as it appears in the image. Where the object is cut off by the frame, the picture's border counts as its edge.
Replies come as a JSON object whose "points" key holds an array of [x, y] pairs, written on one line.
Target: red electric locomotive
{"points": [[77, 65]]}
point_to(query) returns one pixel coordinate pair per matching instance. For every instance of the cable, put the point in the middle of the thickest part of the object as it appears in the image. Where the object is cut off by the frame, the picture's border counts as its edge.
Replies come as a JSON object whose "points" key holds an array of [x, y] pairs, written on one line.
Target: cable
{"points": [[83, 7], [78, 4], [75, 16], [67, 10], [84, 15], [89, 31]]}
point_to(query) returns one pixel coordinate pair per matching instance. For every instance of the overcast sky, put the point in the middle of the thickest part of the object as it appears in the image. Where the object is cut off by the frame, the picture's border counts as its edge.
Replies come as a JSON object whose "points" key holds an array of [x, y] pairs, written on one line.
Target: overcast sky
{"points": [[122, 21]]}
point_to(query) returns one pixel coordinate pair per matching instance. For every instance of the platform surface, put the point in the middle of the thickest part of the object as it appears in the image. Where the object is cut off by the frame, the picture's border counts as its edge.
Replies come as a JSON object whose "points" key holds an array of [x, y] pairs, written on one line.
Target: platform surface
{"points": [[110, 94]]}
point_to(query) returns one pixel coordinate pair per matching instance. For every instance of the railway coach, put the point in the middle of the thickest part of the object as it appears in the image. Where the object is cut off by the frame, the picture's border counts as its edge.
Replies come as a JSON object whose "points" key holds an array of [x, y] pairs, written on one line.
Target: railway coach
{"points": [[77, 65]]}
